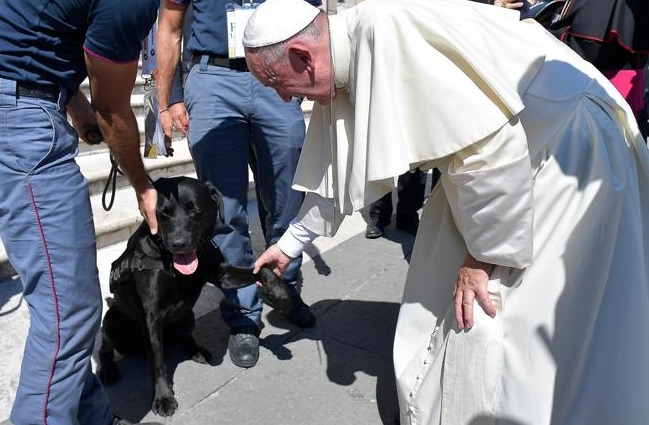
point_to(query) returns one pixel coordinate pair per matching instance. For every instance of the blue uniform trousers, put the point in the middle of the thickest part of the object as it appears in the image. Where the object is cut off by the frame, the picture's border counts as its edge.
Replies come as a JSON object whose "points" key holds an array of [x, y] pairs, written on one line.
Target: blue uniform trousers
{"points": [[47, 229], [234, 121]]}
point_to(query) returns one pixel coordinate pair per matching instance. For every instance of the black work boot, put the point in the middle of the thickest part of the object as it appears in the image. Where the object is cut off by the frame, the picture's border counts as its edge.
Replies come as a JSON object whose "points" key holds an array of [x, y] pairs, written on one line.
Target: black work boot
{"points": [[243, 345]]}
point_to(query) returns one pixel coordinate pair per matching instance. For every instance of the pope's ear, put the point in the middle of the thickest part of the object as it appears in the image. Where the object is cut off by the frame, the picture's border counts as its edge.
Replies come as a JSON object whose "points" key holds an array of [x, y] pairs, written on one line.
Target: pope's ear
{"points": [[300, 58]]}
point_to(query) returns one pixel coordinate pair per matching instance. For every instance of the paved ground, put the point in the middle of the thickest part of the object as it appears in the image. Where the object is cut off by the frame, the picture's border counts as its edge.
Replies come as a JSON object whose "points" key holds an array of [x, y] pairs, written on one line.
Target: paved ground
{"points": [[338, 372]]}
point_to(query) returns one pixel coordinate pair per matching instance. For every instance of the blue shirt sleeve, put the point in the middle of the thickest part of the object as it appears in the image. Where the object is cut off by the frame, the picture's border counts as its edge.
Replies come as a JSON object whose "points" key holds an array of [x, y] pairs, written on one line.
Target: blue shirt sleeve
{"points": [[116, 28]]}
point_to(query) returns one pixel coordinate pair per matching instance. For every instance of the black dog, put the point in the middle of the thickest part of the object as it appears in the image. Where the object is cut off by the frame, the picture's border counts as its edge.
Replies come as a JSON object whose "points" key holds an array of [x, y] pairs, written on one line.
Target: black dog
{"points": [[158, 278]]}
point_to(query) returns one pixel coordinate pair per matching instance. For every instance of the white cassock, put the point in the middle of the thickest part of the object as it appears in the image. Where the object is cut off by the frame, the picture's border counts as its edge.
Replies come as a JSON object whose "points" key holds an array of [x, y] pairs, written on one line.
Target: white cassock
{"points": [[544, 174]]}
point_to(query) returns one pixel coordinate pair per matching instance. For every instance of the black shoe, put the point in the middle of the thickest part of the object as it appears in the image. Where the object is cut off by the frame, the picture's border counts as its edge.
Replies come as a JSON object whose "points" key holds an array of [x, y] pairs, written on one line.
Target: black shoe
{"points": [[244, 346], [120, 421], [374, 229], [301, 315]]}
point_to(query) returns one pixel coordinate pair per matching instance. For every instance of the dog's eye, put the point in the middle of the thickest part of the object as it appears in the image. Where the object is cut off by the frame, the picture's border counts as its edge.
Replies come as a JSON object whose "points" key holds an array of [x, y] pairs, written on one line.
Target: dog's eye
{"points": [[192, 209]]}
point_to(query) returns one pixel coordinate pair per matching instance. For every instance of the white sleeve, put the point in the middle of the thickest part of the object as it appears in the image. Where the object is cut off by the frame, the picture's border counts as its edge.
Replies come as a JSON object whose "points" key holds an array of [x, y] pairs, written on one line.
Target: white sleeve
{"points": [[489, 189], [317, 217], [295, 239]]}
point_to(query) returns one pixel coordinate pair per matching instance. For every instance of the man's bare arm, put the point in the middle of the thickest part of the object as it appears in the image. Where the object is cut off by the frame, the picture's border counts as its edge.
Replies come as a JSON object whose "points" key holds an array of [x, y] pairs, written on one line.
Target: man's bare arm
{"points": [[168, 44], [111, 84], [84, 119]]}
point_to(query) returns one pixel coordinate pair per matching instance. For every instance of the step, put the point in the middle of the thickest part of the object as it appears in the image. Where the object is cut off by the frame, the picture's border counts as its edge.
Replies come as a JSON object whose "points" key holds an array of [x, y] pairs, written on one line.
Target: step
{"points": [[96, 164]]}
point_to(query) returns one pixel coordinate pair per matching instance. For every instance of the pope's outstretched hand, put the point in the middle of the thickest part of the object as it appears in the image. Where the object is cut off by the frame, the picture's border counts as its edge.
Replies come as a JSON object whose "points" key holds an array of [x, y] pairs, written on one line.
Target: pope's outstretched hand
{"points": [[274, 259]]}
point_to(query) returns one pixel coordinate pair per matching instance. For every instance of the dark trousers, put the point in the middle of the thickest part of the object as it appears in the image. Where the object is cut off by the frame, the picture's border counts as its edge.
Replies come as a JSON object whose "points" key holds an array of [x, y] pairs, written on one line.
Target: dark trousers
{"points": [[236, 122], [411, 188]]}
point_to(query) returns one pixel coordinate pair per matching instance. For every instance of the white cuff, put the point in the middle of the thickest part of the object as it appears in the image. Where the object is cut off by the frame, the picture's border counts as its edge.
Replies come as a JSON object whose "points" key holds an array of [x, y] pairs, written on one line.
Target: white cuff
{"points": [[295, 239]]}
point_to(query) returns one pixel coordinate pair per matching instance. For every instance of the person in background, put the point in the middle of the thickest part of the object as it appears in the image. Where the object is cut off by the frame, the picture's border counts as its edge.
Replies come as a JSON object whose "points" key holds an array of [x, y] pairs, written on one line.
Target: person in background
{"points": [[233, 122], [613, 35], [46, 50], [530, 266], [411, 189]]}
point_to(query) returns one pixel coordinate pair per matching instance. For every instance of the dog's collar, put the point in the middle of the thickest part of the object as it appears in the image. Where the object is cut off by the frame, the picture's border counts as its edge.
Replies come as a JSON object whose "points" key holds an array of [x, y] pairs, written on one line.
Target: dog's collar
{"points": [[139, 262], [154, 255]]}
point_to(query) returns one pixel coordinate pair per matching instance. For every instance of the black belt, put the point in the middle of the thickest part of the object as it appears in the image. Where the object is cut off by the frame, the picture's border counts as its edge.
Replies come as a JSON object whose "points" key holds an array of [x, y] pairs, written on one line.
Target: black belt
{"points": [[50, 93], [238, 64]]}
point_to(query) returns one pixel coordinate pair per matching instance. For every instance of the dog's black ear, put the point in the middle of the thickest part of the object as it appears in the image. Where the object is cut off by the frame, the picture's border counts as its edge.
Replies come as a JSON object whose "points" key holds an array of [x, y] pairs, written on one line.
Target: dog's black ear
{"points": [[218, 200], [220, 227]]}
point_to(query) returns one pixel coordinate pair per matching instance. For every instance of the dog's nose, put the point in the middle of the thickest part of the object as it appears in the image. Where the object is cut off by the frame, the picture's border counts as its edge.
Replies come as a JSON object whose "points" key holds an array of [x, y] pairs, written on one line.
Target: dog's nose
{"points": [[178, 245]]}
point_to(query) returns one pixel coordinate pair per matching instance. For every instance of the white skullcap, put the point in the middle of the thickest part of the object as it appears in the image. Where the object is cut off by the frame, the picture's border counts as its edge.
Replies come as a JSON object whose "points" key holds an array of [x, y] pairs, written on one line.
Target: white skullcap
{"points": [[277, 20]]}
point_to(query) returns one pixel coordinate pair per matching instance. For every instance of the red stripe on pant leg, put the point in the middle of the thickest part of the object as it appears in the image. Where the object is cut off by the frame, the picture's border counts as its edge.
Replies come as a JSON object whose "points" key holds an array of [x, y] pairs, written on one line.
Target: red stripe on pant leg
{"points": [[56, 302]]}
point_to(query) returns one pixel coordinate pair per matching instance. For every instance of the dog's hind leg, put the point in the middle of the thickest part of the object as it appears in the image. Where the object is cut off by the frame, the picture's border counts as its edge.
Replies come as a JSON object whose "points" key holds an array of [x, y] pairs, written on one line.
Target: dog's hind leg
{"points": [[107, 370]]}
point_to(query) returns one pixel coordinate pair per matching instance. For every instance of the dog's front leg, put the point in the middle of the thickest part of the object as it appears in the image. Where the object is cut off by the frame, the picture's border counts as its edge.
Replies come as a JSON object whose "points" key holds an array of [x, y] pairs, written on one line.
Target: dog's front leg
{"points": [[272, 287], [275, 290], [164, 402], [149, 288]]}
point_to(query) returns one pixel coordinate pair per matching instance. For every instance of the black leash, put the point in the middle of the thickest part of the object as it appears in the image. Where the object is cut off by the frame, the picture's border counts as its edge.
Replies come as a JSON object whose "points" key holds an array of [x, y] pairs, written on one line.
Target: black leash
{"points": [[111, 183]]}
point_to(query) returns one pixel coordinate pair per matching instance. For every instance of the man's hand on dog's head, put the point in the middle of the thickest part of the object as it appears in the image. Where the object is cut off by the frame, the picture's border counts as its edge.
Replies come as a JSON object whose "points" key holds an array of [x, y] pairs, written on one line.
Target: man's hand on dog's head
{"points": [[274, 259], [147, 200]]}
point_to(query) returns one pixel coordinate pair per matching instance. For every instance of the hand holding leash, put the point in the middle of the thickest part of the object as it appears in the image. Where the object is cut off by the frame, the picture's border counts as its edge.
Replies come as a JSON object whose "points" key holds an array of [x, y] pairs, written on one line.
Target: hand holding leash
{"points": [[84, 119]]}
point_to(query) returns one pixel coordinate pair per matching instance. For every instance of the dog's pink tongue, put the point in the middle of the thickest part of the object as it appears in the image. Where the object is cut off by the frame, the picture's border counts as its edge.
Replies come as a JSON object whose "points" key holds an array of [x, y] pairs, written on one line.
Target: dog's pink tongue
{"points": [[186, 263]]}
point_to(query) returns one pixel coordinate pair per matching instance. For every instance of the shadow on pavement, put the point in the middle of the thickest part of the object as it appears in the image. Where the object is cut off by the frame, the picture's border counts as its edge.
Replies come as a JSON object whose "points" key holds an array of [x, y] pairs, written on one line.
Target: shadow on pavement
{"points": [[405, 239], [364, 326], [132, 395], [9, 287], [319, 263], [369, 339]]}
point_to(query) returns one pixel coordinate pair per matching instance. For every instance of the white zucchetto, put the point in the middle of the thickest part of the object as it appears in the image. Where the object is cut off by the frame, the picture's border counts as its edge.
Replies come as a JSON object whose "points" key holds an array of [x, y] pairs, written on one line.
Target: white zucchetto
{"points": [[277, 20]]}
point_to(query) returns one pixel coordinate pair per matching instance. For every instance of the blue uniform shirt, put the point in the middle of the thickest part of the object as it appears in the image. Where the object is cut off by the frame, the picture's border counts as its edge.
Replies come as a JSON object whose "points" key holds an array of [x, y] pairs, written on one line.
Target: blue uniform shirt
{"points": [[209, 29], [42, 42]]}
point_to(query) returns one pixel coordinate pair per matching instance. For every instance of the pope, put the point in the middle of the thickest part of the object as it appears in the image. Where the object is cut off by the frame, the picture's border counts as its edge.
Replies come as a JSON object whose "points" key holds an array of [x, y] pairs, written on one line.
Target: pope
{"points": [[527, 297]]}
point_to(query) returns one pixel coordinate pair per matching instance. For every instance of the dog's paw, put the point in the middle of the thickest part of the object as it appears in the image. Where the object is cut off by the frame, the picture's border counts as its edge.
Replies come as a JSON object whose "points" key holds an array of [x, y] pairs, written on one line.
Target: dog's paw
{"points": [[108, 373], [202, 356], [275, 291], [164, 405]]}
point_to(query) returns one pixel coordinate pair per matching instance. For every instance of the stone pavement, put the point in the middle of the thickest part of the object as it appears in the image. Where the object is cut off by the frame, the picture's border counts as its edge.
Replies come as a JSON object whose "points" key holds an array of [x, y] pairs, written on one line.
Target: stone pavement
{"points": [[338, 373]]}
